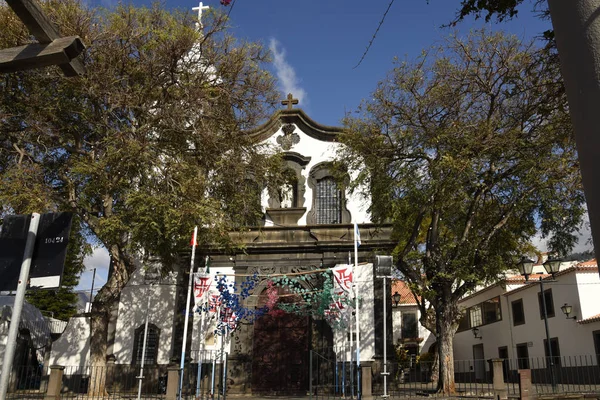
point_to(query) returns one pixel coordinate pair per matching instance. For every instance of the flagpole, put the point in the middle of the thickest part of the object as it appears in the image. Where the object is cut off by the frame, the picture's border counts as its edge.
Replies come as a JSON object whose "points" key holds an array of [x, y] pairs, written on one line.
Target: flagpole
{"points": [[202, 339], [187, 314], [356, 278]]}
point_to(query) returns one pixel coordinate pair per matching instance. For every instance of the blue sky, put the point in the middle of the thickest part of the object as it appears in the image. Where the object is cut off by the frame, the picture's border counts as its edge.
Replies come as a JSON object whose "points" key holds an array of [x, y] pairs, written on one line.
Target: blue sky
{"points": [[317, 44]]}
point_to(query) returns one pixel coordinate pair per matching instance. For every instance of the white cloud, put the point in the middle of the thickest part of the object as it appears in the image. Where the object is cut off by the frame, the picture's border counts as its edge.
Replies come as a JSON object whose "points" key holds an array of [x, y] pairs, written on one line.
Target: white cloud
{"points": [[100, 260], [288, 81]]}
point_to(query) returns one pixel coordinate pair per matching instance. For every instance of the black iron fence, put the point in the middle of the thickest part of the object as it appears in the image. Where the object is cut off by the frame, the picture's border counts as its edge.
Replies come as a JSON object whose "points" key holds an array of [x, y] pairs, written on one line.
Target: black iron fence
{"points": [[27, 380], [565, 374], [205, 377], [331, 378], [473, 378], [201, 380]]}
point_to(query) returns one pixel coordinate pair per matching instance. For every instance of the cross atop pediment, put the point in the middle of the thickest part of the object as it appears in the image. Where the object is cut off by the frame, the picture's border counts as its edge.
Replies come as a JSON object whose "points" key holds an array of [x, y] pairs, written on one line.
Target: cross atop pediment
{"points": [[290, 101], [201, 7]]}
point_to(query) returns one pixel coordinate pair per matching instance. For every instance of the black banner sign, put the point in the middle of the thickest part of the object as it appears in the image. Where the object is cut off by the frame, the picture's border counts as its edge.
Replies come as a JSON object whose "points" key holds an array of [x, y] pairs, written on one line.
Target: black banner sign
{"points": [[49, 254]]}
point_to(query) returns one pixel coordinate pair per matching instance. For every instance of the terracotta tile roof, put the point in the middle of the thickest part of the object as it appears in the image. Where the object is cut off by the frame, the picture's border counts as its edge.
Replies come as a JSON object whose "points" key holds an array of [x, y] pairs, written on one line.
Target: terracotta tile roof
{"points": [[533, 279], [589, 263], [521, 278], [406, 296], [594, 318]]}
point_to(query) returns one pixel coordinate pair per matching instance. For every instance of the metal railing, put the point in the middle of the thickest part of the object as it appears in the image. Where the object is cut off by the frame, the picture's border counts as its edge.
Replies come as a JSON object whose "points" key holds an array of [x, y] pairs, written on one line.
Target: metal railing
{"points": [[570, 374], [328, 378], [28, 381], [473, 378]]}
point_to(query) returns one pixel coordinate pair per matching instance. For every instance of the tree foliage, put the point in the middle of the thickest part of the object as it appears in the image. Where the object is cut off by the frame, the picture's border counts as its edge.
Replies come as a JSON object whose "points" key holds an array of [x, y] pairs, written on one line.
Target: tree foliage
{"points": [[469, 151], [500, 9], [144, 146]]}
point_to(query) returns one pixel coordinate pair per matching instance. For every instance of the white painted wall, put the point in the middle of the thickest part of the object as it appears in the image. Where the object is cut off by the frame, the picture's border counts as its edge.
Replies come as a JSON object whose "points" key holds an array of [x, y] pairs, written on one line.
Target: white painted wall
{"points": [[132, 312], [320, 152], [72, 348], [589, 295]]}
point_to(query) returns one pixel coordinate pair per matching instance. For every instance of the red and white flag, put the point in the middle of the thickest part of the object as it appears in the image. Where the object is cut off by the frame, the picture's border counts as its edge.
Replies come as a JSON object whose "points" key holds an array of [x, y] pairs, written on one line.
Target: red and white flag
{"points": [[343, 278], [229, 318], [214, 302], [202, 284]]}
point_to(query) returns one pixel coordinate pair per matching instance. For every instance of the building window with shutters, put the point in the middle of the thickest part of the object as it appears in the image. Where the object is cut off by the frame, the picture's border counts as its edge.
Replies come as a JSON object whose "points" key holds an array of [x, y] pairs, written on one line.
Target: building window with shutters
{"points": [[518, 312], [549, 303], [410, 326], [151, 356], [329, 202]]}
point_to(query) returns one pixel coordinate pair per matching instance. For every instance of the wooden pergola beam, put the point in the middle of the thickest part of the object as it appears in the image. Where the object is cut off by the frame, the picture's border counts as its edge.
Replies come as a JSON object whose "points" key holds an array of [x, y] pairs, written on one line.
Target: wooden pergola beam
{"points": [[44, 31], [58, 52]]}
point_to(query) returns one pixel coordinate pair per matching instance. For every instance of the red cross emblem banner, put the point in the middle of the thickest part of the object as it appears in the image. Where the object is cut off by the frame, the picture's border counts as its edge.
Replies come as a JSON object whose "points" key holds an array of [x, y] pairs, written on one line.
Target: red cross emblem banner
{"points": [[202, 283], [214, 302], [343, 278]]}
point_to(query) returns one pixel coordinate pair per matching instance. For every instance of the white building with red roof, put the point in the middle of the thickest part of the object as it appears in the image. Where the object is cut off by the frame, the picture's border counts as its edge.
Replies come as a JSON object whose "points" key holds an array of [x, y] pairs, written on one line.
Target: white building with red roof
{"points": [[506, 320], [405, 319]]}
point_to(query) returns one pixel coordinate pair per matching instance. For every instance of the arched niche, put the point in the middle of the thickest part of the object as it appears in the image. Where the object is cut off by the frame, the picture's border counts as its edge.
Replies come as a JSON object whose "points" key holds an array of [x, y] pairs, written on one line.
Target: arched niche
{"points": [[286, 202]]}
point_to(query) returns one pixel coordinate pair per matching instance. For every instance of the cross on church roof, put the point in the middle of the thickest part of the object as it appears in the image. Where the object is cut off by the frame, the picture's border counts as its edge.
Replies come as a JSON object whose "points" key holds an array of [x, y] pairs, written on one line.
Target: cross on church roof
{"points": [[201, 7], [290, 100]]}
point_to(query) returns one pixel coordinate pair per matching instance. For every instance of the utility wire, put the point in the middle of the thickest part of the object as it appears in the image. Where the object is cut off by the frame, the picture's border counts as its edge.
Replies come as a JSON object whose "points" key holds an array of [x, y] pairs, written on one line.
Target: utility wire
{"points": [[375, 34]]}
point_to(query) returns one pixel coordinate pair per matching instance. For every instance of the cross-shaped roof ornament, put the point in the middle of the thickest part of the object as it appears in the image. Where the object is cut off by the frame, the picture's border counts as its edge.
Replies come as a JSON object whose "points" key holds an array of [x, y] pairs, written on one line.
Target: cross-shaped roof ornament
{"points": [[201, 7], [290, 101]]}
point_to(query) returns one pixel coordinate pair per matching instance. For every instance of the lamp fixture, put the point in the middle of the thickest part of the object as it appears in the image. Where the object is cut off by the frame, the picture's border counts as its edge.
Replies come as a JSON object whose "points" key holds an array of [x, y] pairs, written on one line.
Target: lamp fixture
{"points": [[526, 267], [567, 309], [552, 265], [476, 332], [396, 298], [383, 266]]}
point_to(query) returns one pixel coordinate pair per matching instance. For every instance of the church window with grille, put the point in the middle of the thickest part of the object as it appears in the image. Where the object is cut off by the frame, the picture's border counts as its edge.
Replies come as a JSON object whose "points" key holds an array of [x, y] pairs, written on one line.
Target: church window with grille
{"points": [[329, 202], [151, 356]]}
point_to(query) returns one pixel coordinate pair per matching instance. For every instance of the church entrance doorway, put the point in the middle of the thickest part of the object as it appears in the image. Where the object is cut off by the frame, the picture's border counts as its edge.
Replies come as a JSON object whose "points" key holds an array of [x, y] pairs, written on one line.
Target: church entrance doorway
{"points": [[280, 351]]}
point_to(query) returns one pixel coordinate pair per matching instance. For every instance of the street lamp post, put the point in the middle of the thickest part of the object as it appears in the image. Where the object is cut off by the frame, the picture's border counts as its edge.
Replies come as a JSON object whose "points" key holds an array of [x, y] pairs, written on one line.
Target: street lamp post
{"points": [[551, 266], [384, 270]]}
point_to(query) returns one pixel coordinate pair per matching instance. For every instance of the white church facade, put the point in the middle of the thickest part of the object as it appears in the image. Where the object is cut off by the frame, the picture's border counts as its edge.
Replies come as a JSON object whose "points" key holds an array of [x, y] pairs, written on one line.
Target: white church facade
{"points": [[308, 224]]}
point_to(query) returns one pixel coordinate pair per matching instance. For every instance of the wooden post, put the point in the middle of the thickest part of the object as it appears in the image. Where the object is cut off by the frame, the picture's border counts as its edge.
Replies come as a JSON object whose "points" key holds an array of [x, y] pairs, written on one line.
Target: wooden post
{"points": [[524, 384], [54, 382], [500, 389], [61, 51]]}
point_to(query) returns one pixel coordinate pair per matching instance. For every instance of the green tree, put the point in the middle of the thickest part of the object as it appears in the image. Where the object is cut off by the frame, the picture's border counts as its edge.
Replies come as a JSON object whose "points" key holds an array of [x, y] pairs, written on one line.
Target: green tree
{"points": [[469, 152], [144, 146]]}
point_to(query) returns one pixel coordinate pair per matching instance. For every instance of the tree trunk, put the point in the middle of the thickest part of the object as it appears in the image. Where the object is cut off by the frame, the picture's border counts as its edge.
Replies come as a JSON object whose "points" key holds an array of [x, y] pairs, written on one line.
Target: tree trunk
{"points": [[98, 347], [445, 334], [577, 30], [105, 301]]}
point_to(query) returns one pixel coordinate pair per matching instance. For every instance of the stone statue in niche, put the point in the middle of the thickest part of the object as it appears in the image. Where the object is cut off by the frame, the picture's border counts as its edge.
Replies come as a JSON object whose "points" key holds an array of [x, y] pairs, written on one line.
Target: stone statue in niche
{"points": [[286, 195]]}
